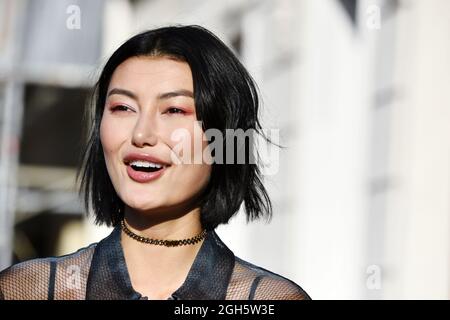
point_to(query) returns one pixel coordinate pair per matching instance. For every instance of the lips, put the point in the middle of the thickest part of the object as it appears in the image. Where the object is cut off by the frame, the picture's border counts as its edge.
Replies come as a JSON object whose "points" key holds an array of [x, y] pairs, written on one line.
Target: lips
{"points": [[143, 167], [143, 157]]}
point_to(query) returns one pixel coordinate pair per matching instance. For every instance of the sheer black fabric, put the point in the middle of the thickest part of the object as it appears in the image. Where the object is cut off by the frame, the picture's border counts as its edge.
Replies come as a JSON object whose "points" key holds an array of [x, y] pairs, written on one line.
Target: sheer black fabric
{"points": [[99, 272]]}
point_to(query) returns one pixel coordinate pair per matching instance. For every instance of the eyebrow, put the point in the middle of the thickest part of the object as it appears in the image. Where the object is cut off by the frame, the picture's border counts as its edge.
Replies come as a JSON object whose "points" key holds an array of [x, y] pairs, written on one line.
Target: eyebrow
{"points": [[161, 96]]}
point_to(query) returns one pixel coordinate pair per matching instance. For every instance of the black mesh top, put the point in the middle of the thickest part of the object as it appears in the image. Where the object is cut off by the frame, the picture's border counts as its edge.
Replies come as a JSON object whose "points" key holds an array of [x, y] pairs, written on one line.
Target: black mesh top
{"points": [[99, 272]]}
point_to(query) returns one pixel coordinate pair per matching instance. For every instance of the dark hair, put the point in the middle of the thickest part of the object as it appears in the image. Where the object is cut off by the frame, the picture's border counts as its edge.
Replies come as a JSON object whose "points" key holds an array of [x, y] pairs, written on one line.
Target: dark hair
{"points": [[225, 98]]}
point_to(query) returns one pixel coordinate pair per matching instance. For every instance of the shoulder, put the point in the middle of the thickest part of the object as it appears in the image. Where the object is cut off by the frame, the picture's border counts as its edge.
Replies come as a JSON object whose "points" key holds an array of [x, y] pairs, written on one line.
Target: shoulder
{"points": [[26, 280], [249, 281], [32, 279]]}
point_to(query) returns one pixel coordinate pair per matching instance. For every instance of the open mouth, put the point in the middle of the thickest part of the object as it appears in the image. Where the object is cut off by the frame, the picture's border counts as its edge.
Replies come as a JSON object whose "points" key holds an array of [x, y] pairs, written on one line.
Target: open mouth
{"points": [[145, 169], [145, 166]]}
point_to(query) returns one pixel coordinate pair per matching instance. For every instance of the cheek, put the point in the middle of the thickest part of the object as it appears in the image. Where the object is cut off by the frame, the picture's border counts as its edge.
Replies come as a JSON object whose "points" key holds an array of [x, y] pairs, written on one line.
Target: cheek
{"points": [[111, 135], [192, 178], [105, 133], [187, 142]]}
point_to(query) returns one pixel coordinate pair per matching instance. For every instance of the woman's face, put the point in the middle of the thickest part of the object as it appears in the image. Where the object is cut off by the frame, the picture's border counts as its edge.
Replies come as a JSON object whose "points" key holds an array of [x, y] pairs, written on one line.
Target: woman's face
{"points": [[148, 99]]}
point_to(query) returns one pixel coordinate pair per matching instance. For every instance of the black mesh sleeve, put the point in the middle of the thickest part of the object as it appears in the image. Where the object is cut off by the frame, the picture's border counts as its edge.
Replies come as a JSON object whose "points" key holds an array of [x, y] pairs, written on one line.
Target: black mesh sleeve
{"points": [[26, 281]]}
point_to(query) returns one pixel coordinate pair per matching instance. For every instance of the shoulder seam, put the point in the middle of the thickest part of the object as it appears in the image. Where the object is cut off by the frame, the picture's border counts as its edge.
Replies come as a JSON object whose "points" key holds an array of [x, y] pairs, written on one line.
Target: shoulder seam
{"points": [[255, 283], [52, 279]]}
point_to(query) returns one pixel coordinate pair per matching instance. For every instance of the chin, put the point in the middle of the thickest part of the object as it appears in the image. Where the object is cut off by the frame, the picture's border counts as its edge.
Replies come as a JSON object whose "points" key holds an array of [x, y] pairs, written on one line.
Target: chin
{"points": [[143, 202], [142, 207]]}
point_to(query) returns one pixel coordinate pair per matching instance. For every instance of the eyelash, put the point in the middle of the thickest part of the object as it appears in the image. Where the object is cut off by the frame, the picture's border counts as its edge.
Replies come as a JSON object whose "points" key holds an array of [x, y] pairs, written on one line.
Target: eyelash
{"points": [[119, 108], [178, 110], [169, 110]]}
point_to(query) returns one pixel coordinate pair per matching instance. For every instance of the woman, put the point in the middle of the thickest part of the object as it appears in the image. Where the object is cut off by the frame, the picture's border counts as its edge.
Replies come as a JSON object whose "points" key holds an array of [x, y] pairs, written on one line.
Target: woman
{"points": [[140, 173]]}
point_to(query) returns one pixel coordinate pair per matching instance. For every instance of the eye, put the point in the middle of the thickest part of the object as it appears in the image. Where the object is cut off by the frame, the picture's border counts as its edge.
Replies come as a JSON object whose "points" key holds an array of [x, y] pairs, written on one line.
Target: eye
{"points": [[119, 108], [173, 110]]}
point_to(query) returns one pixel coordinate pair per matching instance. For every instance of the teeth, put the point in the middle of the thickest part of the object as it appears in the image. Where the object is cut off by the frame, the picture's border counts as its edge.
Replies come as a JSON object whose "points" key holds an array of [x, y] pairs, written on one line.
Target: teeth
{"points": [[145, 164]]}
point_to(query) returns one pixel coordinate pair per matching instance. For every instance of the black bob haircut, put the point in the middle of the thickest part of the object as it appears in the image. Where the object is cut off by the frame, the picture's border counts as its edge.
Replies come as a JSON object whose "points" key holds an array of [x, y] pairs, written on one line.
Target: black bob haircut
{"points": [[225, 97]]}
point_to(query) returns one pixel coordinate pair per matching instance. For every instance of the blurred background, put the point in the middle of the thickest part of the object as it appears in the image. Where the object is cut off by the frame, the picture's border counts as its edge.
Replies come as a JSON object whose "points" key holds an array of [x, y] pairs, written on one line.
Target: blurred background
{"points": [[358, 89]]}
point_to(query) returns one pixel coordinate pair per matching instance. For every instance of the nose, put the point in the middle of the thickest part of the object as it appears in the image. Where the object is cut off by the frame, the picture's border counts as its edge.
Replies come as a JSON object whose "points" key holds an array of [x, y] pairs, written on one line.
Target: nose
{"points": [[145, 132]]}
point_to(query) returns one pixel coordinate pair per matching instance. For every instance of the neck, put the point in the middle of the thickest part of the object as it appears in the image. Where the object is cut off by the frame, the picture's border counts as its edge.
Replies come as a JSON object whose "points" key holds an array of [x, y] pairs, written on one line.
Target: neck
{"points": [[163, 225], [157, 271]]}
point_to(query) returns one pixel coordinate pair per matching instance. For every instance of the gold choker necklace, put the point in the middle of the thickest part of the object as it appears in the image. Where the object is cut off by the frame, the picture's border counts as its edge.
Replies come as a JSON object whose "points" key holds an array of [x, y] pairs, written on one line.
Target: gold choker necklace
{"points": [[167, 243]]}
